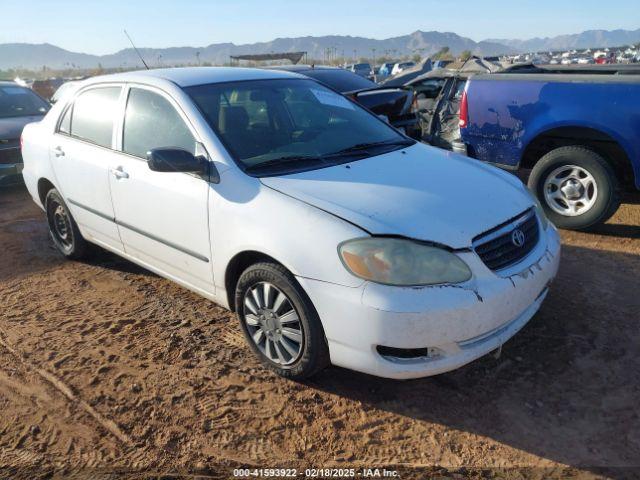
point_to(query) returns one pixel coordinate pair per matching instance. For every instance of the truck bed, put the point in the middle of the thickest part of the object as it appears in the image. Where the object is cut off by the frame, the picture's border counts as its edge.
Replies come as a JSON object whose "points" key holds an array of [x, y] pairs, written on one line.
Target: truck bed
{"points": [[612, 69]]}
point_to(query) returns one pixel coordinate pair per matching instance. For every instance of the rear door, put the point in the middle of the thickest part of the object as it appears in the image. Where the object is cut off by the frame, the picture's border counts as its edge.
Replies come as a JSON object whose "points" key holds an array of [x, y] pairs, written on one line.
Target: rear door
{"points": [[428, 92], [81, 152], [446, 129], [162, 216]]}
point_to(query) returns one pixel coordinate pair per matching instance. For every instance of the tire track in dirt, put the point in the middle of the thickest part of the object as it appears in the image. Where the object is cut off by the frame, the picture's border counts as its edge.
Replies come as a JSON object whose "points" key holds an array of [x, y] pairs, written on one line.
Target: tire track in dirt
{"points": [[107, 424], [173, 372]]}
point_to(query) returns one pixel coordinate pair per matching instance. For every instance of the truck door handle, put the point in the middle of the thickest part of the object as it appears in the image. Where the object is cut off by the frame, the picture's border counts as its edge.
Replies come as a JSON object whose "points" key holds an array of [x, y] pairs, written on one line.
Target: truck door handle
{"points": [[58, 152], [119, 173]]}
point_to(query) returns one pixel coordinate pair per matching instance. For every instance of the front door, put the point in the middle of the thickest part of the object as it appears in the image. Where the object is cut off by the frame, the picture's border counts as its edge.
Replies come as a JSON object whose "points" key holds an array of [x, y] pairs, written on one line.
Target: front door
{"points": [[81, 153], [162, 216]]}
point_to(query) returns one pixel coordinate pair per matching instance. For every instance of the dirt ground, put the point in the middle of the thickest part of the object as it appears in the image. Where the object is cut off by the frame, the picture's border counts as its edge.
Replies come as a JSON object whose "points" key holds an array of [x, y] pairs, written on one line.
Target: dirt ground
{"points": [[105, 367]]}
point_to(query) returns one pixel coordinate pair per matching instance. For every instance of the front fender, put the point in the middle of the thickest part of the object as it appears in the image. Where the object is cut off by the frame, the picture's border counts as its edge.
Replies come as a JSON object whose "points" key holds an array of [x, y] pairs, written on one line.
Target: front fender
{"points": [[246, 215]]}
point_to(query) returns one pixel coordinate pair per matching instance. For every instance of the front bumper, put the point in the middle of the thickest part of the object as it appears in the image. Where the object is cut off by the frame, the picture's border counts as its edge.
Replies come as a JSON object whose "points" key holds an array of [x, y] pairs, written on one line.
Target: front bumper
{"points": [[457, 323]]}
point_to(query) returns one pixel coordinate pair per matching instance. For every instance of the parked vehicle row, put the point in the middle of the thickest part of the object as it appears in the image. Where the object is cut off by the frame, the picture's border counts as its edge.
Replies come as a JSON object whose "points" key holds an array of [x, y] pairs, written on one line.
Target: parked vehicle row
{"points": [[556, 121], [334, 237], [18, 106], [361, 69]]}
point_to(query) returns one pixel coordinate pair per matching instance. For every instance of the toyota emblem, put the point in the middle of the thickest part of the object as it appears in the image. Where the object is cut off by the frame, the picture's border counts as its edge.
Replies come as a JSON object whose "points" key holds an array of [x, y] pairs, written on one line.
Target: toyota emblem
{"points": [[517, 237]]}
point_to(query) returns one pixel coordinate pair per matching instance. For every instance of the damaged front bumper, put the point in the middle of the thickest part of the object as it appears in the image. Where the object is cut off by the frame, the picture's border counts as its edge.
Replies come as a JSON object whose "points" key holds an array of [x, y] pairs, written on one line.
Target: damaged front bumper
{"points": [[410, 332]]}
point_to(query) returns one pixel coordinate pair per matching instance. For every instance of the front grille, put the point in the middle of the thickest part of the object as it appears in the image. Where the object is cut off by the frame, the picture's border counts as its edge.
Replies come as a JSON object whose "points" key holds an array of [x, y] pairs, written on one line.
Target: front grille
{"points": [[497, 247], [10, 156]]}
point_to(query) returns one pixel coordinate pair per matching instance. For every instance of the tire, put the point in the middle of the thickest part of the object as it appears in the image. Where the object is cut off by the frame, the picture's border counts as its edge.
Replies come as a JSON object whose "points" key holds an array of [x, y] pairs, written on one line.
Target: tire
{"points": [[63, 228], [298, 360], [587, 174]]}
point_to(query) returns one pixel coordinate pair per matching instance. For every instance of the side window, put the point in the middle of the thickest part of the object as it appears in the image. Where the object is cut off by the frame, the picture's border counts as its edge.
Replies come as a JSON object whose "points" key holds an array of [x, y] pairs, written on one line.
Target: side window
{"points": [[430, 88], [152, 122], [65, 123], [94, 114]]}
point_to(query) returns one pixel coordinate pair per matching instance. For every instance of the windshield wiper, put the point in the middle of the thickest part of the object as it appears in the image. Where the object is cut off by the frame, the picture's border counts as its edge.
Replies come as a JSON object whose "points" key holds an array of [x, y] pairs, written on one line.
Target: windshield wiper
{"points": [[360, 147], [274, 162]]}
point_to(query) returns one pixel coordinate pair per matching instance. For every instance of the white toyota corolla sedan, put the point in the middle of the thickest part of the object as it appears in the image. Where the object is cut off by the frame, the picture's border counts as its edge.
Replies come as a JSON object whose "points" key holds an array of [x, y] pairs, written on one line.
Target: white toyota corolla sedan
{"points": [[333, 237]]}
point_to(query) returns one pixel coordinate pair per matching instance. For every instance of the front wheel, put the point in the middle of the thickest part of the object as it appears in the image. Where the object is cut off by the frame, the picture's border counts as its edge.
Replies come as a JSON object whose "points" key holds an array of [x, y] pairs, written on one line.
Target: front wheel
{"points": [[576, 186], [63, 228], [279, 322]]}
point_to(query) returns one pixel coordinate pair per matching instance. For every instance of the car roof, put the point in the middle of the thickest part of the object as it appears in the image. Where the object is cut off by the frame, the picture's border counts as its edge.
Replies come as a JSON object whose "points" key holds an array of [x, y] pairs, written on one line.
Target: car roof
{"points": [[190, 76], [302, 68]]}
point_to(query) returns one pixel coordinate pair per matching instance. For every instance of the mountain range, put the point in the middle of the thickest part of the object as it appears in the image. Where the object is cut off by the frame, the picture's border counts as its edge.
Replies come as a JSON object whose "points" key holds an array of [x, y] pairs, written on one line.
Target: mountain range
{"points": [[588, 39], [35, 56]]}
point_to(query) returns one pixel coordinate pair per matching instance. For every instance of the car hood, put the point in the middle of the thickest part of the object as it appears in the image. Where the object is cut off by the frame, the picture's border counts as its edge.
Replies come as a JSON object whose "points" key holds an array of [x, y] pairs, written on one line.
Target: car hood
{"points": [[420, 192], [11, 128]]}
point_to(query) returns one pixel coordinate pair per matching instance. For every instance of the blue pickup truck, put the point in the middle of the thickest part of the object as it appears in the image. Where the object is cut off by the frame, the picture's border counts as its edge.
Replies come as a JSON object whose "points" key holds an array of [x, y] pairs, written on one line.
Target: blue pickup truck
{"points": [[577, 130]]}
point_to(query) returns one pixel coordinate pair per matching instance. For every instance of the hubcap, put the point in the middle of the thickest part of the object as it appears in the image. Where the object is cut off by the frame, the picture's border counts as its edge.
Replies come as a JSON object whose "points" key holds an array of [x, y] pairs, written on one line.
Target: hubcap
{"points": [[273, 323], [570, 190], [61, 226]]}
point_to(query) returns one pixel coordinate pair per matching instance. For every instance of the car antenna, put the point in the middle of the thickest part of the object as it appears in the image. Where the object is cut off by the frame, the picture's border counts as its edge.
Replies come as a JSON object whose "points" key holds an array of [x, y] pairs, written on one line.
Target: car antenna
{"points": [[139, 54]]}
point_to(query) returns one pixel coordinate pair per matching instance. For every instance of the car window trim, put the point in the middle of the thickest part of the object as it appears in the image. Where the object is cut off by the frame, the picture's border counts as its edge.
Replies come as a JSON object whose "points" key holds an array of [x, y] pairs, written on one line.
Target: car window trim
{"points": [[70, 106], [122, 111]]}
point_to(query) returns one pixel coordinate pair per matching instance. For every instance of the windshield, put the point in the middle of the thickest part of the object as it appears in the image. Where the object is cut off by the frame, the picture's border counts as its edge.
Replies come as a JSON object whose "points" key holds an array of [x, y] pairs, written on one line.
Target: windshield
{"points": [[16, 101], [286, 125], [340, 80]]}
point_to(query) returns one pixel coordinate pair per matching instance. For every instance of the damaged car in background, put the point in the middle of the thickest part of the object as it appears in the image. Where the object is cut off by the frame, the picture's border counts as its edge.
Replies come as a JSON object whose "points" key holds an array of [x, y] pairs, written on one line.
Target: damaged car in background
{"points": [[395, 104], [552, 123], [438, 96], [333, 237]]}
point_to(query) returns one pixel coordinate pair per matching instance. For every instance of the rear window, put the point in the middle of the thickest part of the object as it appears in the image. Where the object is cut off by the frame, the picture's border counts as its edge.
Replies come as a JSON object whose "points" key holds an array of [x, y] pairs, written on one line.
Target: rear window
{"points": [[17, 101], [340, 80], [94, 114], [429, 88]]}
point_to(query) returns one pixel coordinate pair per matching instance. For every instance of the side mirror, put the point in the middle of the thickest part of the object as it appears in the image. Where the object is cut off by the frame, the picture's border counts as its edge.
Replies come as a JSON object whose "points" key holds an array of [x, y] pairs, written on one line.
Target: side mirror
{"points": [[175, 160]]}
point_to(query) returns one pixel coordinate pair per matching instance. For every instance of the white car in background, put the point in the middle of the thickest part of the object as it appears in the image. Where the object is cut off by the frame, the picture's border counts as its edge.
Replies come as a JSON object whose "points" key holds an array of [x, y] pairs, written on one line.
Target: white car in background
{"points": [[401, 66], [333, 237]]}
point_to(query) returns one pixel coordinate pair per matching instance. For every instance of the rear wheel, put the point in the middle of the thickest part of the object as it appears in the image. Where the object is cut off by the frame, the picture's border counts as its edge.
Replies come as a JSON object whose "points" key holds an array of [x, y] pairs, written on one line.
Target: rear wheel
{"points": [[279, 322], [63, 228], [576, 186]]}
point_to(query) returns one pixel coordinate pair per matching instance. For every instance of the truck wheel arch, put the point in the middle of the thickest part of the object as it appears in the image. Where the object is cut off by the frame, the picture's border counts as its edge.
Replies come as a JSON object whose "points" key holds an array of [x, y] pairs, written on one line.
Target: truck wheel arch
{"points": [[601, 142]]}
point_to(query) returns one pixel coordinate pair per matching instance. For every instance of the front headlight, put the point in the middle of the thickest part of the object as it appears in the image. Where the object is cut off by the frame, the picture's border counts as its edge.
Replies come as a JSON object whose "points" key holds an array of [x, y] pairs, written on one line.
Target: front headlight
{"points": [[395, 261]]}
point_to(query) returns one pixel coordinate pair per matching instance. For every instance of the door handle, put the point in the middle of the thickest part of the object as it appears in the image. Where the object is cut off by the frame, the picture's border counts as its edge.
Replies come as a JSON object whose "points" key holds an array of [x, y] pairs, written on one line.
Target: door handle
{"points": [[119, 173], [58, 152]]}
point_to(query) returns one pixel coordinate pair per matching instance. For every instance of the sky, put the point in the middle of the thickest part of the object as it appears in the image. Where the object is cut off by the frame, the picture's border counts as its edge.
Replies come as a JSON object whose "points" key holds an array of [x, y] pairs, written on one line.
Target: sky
{"points": [[95, 27]]}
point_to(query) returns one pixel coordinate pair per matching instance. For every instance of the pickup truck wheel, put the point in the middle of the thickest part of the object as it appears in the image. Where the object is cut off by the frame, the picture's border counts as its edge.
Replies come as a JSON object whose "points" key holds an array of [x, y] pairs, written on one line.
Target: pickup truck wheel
{"points": [[576, 186], [63, 228], [279, 322]]}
